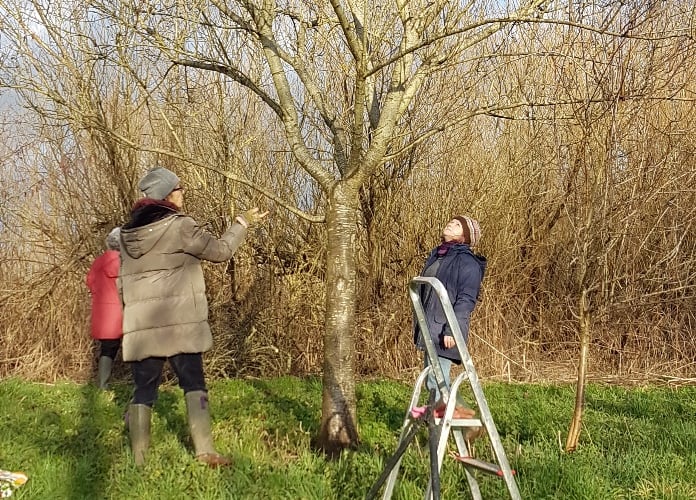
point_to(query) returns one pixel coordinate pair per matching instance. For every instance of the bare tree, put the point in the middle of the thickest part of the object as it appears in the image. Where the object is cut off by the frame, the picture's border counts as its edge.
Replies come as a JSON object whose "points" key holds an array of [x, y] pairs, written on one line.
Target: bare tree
{"points": [[545, 119], [340, 77]]}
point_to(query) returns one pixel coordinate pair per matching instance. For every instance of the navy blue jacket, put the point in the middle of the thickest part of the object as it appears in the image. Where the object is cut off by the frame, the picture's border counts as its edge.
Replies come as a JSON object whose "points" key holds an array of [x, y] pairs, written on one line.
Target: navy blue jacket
{"points": [[461, 271]]}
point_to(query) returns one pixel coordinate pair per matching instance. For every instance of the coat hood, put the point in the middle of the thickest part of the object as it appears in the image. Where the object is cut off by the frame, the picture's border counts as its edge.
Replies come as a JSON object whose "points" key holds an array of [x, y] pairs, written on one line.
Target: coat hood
{"points": [[139, 241], [482, 262], [150, 221], [464, 248]]}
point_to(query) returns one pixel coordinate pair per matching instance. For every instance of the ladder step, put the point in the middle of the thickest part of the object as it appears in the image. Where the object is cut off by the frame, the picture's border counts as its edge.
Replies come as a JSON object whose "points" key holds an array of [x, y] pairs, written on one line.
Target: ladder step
{"points": [[419, 411], [481, 465], [462, 422]]}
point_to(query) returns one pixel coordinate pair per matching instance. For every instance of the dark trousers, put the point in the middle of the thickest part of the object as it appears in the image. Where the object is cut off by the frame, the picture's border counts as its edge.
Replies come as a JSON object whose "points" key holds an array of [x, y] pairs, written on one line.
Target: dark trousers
{"points": [[147, 375], [109, 348]]}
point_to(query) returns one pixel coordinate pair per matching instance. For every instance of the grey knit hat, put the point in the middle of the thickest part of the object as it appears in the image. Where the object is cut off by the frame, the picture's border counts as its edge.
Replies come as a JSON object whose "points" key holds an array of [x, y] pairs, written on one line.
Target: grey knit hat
{"points": [[158, 183], [112, 240]]}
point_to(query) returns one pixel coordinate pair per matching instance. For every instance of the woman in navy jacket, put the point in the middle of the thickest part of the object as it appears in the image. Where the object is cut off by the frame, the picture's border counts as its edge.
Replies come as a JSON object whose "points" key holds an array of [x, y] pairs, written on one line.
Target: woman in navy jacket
{"points": [[461, 271]]}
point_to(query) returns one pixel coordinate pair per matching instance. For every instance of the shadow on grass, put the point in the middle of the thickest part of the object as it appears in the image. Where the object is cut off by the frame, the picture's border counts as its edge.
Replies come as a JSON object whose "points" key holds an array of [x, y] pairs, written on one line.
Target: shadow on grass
{"points": [[90, 458], [168, 408], [296, 404], [83, 438], [63, 439], [291, 409], [656, 403]]}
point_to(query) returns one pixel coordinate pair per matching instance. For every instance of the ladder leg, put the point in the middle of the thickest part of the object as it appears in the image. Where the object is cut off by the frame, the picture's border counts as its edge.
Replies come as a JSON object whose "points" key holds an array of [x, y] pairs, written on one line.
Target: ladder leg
{"points": [[491, 430], [391, 470], [462, 446], [445, 430], [443, 434], [433, 444], [464, 451], [499, 452]]}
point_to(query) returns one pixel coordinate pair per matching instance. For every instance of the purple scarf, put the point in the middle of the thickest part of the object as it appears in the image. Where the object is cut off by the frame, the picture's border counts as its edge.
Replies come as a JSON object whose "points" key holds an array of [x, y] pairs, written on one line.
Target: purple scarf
{"points": [[445, 246]]}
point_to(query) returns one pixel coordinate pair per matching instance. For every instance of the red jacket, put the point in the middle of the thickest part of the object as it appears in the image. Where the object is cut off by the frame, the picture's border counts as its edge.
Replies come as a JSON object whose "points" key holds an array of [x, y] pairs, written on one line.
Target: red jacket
{"points": [[107, 313]]}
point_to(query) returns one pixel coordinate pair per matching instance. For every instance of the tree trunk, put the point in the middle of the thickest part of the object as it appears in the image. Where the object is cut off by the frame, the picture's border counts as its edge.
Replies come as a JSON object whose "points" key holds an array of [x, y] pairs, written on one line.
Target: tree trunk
{"points": [[576, 423], [338, 421]]}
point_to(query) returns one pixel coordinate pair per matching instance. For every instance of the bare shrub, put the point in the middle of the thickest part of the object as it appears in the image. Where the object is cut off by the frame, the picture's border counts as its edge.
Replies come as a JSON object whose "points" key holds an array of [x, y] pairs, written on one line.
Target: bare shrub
{"points": [[581, 159]]}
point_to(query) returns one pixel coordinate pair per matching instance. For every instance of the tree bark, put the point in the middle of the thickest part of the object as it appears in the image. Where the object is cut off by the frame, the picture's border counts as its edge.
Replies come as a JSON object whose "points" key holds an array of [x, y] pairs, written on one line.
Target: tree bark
{"points": [[338, 421], [576, 422]]}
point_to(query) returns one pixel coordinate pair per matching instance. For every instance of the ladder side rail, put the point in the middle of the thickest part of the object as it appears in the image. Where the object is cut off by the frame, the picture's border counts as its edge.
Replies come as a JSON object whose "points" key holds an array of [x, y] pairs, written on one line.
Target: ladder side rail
{"points": [[489, 426], [414, 289], [405, 428], [484, 411], [462, 445], [446, 428]]}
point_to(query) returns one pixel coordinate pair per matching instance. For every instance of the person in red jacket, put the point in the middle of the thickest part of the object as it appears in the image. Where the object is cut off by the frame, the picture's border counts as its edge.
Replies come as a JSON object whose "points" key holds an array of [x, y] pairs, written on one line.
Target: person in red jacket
{"points": [[107, 311]]}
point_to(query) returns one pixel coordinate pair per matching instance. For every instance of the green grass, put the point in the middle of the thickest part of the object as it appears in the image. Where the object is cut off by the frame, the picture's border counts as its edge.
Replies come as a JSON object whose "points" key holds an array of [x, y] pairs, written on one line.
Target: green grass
{"points": [[70, 440]]}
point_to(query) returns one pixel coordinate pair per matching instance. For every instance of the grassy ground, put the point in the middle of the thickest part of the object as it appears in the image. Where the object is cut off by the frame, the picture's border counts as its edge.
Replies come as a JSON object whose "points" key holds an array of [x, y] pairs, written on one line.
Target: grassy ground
{"points": [[637, 443]]}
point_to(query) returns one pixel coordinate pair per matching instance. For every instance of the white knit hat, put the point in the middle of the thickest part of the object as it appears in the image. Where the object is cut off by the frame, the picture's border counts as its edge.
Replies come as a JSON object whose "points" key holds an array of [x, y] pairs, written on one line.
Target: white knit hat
{"points": [[113, 239]]}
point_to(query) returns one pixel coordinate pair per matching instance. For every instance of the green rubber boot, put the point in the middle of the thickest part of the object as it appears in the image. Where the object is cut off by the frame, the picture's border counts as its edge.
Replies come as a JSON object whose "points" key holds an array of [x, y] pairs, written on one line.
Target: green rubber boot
{"points": [[201, 433], [139, 428], [104, 371]]}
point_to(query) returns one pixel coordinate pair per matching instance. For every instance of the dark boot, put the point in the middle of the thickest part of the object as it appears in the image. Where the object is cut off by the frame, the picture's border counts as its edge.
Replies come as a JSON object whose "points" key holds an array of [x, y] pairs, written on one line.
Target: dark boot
{"points": [[138, 422], [104, 371], [201, 434]]}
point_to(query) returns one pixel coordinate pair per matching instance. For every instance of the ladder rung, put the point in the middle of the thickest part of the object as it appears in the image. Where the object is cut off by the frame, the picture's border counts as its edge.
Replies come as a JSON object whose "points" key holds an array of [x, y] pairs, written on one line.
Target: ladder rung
{"points": [[462, 422], [419, 411], [481, 465]]}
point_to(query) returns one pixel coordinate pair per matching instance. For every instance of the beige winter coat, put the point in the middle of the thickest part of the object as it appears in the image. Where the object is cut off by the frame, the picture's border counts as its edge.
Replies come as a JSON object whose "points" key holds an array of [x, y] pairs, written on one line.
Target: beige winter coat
{"points": [[163, 291]]}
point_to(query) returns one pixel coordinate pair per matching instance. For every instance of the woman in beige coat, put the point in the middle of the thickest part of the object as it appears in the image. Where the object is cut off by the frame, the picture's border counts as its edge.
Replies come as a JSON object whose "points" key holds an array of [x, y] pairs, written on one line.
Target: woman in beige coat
{"points": [[165, 310]]}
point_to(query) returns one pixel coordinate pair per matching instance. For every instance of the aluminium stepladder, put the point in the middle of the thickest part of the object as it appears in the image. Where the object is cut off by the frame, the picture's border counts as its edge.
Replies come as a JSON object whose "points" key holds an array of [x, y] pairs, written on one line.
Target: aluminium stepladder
{"points": [[441, 428]]}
